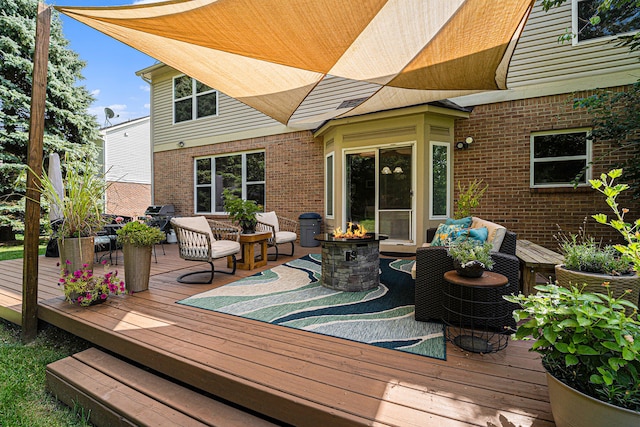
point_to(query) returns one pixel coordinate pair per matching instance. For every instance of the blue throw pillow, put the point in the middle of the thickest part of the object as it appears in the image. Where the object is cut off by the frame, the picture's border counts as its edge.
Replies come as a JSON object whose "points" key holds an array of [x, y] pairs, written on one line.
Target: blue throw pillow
{"points": [[463, 222], [479, 235], [445, 234]]}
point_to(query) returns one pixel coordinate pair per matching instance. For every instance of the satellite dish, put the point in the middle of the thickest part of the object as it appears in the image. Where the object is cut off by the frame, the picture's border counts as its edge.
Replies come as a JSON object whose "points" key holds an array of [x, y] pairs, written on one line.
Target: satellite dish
{"points": [[109, 114]]}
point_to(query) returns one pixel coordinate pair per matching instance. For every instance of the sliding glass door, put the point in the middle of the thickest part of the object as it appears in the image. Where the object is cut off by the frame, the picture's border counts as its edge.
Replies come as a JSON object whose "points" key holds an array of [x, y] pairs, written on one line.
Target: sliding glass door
{"points": [[379, 191]]}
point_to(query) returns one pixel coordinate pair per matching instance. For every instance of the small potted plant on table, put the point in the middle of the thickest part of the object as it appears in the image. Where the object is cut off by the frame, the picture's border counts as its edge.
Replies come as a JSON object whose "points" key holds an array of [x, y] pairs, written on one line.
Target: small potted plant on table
{"points": [[241, 211], [137, 239], [471, 258]]}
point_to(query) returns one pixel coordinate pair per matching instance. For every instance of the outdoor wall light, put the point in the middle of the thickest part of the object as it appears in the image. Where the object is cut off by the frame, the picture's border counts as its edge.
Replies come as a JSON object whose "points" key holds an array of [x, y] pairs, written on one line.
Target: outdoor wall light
{"points": [[463, 145], [386, 170], [181, 144]]}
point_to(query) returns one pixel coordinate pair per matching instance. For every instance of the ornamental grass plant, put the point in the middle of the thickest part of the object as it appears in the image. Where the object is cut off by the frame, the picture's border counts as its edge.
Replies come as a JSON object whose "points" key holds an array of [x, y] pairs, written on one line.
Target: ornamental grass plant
{"points": [[81, 200], [583, 253]]}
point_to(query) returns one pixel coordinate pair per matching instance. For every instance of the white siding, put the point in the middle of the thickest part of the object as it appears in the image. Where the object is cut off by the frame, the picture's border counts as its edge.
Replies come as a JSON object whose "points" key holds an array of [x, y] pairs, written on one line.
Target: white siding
{"points": [[233, 116], [127, 153], [540, 58]]}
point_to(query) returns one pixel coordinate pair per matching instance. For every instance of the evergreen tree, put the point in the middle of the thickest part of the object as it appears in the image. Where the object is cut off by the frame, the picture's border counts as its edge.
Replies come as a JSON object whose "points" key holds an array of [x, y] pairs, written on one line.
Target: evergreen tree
{"points": [[68, 126]]}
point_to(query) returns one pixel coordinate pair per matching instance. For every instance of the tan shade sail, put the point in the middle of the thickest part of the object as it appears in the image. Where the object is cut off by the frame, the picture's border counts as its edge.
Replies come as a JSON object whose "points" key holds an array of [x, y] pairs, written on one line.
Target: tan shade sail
{"points": [[272, 54]]}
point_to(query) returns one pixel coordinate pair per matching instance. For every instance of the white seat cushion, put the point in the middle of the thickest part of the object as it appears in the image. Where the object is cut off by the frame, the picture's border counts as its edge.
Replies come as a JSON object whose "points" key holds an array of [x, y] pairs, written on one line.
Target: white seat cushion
{"points": [[222, 248], [285, 236]]}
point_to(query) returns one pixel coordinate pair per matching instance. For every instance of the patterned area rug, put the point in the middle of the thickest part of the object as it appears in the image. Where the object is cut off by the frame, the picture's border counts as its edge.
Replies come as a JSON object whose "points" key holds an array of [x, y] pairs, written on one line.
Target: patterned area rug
{"points": [[291, 295]]}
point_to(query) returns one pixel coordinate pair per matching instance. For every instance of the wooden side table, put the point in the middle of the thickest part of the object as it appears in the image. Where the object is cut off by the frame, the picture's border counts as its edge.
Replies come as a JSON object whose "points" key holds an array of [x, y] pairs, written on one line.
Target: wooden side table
{"points": [[475, 319], [248, 243]]}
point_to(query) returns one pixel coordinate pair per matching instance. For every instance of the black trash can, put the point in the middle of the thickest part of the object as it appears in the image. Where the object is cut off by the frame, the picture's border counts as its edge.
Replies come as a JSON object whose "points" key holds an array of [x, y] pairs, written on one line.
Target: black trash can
{"points": [[309, 226]]}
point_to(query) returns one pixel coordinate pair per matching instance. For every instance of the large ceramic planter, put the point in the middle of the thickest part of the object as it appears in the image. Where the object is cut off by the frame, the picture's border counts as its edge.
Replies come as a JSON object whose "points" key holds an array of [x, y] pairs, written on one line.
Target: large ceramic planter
{"points": [[78, 251], [137, 267], [594, 281], [574, 409]]}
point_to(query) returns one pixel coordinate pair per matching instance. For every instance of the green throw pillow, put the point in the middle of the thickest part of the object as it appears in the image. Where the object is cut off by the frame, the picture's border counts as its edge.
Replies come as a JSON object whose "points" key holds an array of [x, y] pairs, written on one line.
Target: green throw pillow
{"points": [[463, 222], [445, 233], [479, 235]]}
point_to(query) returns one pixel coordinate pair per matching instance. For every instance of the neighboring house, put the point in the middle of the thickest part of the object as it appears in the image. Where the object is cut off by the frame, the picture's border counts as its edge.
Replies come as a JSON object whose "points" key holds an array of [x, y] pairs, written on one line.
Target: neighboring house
{"points": [[126, 156], [397, 171]]}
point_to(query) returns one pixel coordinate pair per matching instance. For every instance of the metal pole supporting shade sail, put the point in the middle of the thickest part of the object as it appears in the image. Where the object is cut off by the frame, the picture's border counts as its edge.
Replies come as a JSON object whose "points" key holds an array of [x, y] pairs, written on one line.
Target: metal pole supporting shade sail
{"points": [[274, 55]]}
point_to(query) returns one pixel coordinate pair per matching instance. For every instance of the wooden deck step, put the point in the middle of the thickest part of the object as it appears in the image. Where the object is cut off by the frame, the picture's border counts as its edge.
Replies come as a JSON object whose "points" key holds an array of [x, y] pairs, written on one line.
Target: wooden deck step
{"points": [[118, 393]]}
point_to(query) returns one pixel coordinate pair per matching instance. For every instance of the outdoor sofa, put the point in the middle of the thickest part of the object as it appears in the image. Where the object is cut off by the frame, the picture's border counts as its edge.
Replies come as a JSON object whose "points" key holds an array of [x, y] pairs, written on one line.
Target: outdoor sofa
{"points": [[433, 261]]}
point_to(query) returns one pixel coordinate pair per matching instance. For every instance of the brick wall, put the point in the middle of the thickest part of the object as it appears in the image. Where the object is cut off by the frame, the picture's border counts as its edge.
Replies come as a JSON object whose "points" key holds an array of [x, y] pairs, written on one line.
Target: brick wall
{"points": [[500, 156], [294, 173], [128, 199]]}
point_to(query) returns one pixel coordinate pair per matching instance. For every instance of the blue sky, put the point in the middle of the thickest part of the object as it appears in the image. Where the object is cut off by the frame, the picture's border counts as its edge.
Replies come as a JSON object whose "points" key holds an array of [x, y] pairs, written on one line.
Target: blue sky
{"points": [[110, 73]]}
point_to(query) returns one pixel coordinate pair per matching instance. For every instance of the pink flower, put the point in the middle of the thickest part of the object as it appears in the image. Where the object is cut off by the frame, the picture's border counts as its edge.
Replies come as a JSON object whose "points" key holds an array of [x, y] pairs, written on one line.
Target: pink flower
{"points": [[119, 219]]}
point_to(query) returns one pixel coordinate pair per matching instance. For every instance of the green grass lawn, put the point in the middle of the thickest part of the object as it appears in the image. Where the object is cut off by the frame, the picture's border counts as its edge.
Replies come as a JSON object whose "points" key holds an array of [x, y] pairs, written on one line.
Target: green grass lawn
{"points": [[23, 398], [15, 250]]}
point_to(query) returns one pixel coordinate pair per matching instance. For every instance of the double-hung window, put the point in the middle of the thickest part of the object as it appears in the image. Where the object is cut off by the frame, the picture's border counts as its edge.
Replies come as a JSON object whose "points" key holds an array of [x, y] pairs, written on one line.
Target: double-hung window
{"points": [[193, 100], [242, 173], [614, 21], [558, 157]]}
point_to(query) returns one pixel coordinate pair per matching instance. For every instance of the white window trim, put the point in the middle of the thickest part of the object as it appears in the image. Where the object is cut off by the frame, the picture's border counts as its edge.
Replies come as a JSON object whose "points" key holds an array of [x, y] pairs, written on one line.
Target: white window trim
{"points": [[575, 29], [414, 177], [433, 144], [333, 185], [244, 178], [586, 157], [194, 103]]}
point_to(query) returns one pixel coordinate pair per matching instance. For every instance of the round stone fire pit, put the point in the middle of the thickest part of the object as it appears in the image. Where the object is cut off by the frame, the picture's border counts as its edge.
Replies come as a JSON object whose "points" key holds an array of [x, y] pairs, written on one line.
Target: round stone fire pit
{"points": [[350, 264]]}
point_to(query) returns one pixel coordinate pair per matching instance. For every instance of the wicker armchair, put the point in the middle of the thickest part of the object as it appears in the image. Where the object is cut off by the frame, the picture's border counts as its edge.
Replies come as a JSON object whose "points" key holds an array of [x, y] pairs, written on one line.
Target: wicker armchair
{"points": [[205, 240], [283, 230], [431, 264]]}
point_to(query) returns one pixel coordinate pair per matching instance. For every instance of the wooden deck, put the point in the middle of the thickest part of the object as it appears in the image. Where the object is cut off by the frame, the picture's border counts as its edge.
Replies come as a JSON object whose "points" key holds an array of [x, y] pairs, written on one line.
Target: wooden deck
{"points": [[295, 377]]}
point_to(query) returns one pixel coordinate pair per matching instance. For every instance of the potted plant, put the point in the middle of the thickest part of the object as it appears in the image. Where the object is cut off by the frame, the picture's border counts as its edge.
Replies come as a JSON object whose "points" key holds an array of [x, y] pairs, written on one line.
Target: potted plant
{"points": [[471, 258], [241, 211], [469, 198], [589, 341], [79, 203], [83, 288], [137, 239], [586, 262]]}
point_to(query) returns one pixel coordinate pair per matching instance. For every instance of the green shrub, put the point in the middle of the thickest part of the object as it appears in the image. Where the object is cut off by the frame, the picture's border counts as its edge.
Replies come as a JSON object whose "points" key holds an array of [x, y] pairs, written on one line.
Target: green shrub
{"points": [[140, 234]]}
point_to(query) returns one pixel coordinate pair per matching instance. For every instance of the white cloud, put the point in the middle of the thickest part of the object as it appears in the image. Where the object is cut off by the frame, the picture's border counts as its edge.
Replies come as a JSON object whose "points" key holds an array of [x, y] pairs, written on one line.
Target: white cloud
{"points": [[95, 92], [145, 88], [147, 106]]}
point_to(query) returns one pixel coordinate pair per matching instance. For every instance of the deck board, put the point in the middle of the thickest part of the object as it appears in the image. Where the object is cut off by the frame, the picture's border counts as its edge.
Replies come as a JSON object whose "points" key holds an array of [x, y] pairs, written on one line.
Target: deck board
{"points": [[297, 377]]}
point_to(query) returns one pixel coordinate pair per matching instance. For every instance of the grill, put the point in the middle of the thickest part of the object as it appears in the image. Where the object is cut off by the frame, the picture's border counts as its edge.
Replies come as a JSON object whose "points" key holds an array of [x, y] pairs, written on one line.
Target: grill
{"points": [[159, 216]]}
